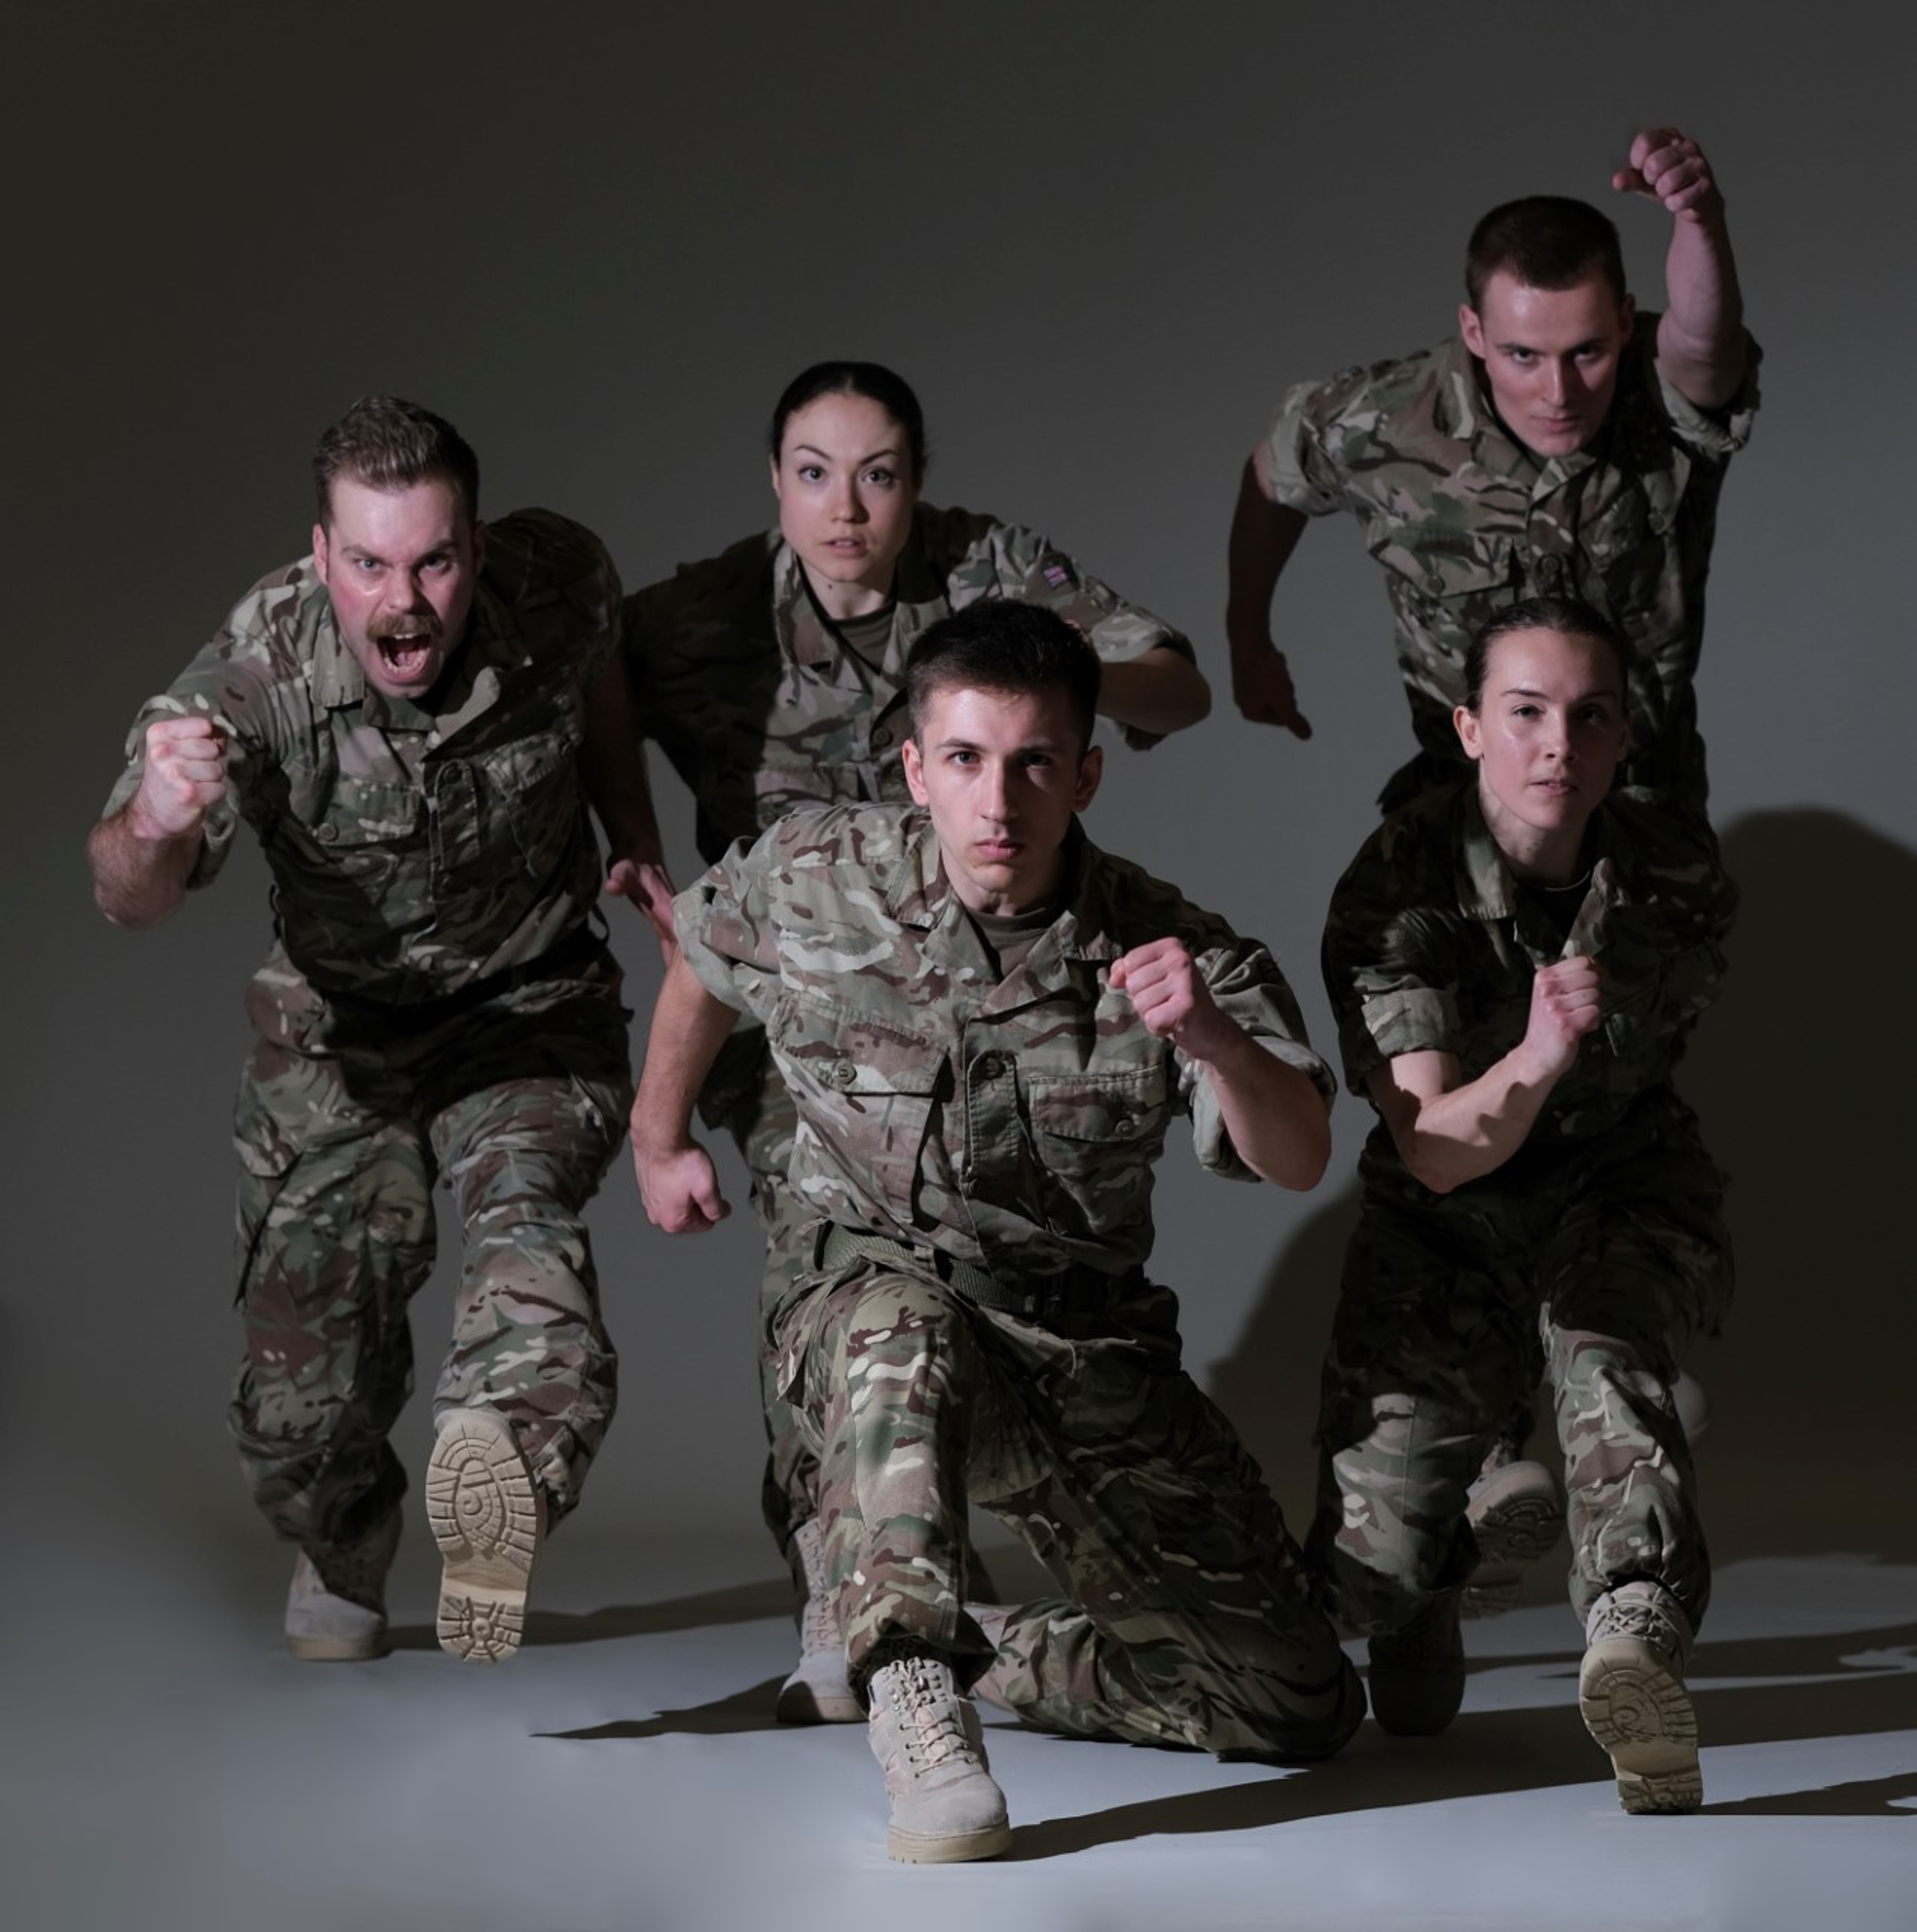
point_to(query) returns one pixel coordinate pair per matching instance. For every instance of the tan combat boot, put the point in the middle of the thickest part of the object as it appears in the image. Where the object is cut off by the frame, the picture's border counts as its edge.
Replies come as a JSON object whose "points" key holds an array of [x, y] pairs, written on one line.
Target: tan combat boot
{"points": [[487, 1516], [336, 1608], [1517, 1514], [1632, 1693], [816, 1692], [924, 1731]]}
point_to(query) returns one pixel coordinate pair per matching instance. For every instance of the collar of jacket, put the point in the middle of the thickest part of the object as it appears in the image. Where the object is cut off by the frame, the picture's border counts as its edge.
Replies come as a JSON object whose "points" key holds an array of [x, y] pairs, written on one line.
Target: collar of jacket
{"points": [[917, 590], [921, 895], [1486, 889]]}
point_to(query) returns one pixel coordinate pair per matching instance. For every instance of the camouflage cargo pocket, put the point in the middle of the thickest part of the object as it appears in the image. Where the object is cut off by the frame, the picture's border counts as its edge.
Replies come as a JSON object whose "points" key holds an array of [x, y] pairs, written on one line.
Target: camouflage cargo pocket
{"points": [[268, 1156], [1093, 1135], [535, 783], [352, 854], [866, 1087]]}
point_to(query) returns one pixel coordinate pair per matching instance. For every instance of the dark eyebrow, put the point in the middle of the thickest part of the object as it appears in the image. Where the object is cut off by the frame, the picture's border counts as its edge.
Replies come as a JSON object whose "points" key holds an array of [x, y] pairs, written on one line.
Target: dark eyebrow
{"points": [[1512, 341], [1583, 697], [813, 451], [1031, 745]]}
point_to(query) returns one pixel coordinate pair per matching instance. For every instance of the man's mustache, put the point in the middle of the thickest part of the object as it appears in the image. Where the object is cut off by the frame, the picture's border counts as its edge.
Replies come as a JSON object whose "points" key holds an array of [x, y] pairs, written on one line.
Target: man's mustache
{"points": [[424, 623]]}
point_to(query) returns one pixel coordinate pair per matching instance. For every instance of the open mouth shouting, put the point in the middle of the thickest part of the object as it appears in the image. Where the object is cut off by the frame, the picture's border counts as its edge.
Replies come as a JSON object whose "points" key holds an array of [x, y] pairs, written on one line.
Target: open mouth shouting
{"points": [[409, 645]]}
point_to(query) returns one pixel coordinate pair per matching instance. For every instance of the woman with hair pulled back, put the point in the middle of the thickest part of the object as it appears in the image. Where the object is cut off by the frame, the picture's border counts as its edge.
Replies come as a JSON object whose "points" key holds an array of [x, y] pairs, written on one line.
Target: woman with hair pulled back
{"points": [[773, 675], [1515, 961]]}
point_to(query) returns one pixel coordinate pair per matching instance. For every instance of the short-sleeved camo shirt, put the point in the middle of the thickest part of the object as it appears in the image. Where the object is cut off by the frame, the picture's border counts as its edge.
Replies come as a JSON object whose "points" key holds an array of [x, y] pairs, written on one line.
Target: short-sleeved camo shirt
{"points": [[1466, 521], [1431, 947], [760, 706], [415, 849]]}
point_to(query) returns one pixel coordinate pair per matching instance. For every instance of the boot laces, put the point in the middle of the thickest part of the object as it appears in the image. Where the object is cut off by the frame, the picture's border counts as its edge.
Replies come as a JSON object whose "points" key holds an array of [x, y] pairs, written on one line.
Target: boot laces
{"points": [[930, 1724]]}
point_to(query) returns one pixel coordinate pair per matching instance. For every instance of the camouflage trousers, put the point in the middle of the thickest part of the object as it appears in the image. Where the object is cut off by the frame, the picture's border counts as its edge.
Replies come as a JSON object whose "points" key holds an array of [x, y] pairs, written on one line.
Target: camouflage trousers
{"points": [[1610, 1254], [346, 1118], [745, 1096], [1184, 1616]]}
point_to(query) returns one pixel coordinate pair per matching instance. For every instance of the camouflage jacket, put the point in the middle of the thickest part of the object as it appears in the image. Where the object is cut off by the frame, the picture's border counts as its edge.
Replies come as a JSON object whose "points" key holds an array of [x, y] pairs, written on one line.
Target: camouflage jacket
{"points": [[1431, 947], [1011, 1124], [1466, 521], [413, 851], [760, 707]]}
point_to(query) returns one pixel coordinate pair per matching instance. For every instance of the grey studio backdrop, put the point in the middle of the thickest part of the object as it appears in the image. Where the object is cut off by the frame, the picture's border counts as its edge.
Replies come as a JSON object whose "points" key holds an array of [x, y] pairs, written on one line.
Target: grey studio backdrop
{"points": [[1101, 241]]}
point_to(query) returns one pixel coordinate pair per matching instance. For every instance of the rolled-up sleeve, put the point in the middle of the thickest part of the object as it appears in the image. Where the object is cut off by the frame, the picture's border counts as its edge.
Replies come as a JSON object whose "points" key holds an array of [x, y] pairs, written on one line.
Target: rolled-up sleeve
{"points": [[1718, 434], [1249, 989]]}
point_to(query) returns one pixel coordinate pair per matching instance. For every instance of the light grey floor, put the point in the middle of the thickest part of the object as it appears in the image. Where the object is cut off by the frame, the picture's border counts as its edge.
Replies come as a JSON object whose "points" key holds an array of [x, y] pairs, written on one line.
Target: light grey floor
{"points": [[169, 1766]]}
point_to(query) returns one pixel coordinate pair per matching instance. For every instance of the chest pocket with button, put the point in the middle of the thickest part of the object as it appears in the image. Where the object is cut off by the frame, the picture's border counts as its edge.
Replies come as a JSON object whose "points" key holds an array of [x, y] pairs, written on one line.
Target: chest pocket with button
{"points": [[357, 868], [867, 1091], [1096, 1136], [534, 786], [1443, 587]]}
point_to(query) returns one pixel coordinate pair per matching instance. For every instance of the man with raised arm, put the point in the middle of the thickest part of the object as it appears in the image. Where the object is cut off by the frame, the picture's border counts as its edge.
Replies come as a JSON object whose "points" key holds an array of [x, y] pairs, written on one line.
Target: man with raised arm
{"points": [[985, 1026], [1562, 443], [400, 717]]}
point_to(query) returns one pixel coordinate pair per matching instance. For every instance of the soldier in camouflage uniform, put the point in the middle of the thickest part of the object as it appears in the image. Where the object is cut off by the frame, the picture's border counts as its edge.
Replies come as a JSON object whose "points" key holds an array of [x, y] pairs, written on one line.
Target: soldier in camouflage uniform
{"points": [[1515, 963], [400, 719], [1563, 443], [985, 1026], [773, 675]]}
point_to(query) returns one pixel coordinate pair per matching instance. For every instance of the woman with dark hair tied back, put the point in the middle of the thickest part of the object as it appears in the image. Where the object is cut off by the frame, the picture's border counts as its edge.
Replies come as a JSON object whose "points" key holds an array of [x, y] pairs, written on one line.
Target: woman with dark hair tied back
{"points": [[773, 675], [1515, 961]]}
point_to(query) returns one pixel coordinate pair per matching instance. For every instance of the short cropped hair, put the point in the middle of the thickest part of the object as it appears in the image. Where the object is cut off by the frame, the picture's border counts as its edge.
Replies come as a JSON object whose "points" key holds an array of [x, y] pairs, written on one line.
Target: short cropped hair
{"points": [[387, 444], [1002, 646], [1565, 617], [875, 382], [1544, 241]]}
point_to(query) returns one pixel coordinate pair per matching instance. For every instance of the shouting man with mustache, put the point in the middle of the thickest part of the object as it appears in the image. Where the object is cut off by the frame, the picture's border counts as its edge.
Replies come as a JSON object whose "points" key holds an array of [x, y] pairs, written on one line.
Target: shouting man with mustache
{"points": [[401, 718]]}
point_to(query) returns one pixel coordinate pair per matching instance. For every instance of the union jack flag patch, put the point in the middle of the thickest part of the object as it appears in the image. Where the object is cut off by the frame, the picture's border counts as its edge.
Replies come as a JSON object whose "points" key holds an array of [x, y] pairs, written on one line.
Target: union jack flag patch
{"points": [[1057, 575]]}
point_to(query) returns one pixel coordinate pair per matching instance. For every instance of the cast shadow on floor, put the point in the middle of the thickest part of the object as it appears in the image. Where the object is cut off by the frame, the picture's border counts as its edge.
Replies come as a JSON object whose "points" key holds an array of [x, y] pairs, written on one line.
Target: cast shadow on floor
{"points": [[1756, 1691], [703, 1610]]}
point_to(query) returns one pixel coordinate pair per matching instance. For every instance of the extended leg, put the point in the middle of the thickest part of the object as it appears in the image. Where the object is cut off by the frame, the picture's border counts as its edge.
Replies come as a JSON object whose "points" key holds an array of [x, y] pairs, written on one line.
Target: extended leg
{"points": [[528, 1385]]}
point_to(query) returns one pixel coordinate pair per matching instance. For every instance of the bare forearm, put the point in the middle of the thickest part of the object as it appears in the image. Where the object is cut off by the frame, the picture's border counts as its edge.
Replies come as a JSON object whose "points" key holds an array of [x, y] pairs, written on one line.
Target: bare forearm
{"points": [[1263, 535], [1700, 341], [1277, 1118], [688, 1027], [1162, 691], [1472, 1130], [139, 876]]}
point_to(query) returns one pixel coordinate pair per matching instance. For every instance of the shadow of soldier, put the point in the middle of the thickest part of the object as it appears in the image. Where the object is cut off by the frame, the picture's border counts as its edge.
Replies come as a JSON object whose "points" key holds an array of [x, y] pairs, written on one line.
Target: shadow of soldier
{"points": [[1269, 1384], [1802, 1077]]}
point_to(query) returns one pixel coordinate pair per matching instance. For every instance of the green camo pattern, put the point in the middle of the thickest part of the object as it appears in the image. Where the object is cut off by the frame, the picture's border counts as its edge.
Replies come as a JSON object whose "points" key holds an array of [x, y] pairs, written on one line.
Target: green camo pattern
{"points": [[346, 1117], [1466, 521], [1011, 1122], [1603, 1236], [413, 851], [760, 707], [1430, 947], [1184, 1616]]}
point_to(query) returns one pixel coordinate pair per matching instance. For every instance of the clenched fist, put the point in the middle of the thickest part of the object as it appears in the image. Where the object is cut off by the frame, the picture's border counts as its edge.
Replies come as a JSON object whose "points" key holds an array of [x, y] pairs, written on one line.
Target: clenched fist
{"points": [[185, 776], [1168, 995], [1567, 1003], [1670, 166]]}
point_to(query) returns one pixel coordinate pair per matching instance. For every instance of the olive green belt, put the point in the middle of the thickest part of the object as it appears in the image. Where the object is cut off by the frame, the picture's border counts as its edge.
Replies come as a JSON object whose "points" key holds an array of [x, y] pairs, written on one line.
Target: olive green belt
{"points": [[1069, 1290]]}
